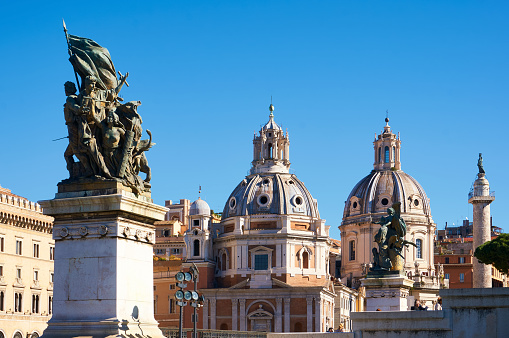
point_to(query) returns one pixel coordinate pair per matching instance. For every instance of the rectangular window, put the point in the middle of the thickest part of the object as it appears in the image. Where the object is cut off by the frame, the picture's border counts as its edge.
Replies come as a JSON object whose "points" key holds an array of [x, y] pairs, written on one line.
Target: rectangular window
{"points": [[51, 253], [2, 243], [36, 250], [446, 260], [352, 250], [19, 247], [50, 304], [196, 222], [461, 260], [462, 277], [36, 275], [52, 277], [18, 273], [261, 262], [418, 243], [176, 251], [446, 276], [1, 270], [172, 286], [172, 307], [193, 318]]}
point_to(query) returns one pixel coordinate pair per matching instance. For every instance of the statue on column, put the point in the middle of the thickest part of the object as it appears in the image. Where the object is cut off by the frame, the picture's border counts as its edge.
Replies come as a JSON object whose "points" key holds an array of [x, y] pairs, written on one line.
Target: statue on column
{"points": [[104, 133], [479, 164], [391, 240]]}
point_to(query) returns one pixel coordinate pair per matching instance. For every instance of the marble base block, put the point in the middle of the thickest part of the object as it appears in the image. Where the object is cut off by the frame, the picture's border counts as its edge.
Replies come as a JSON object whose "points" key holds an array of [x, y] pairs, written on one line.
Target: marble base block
{"points": [[103, 264], [387, 292]]}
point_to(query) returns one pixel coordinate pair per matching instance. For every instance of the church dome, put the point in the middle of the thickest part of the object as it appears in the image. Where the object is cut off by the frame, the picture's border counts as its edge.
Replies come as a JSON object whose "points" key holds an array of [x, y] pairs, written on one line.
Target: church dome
{"points": [[386, 185], [270, 193], [380, 189], [199, 207]]}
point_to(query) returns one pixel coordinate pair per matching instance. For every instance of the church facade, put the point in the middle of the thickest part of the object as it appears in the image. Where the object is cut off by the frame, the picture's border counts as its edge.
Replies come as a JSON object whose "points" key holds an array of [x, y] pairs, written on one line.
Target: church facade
{"points": [[265, 265]]}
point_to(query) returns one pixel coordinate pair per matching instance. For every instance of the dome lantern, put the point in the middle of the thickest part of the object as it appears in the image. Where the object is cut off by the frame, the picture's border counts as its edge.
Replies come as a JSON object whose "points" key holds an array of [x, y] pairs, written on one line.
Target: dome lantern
{"points": [[271, 148], [387, 148]]}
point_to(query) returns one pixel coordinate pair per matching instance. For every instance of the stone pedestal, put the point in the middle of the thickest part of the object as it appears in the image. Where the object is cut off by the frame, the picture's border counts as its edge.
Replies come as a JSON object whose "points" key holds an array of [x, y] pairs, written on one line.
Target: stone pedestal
{"points": [[103, 261], [387, 291]]}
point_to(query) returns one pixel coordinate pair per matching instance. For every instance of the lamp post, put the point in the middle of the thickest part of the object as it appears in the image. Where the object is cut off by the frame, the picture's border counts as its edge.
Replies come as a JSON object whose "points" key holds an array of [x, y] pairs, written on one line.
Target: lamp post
{"points": [[192, 296]]}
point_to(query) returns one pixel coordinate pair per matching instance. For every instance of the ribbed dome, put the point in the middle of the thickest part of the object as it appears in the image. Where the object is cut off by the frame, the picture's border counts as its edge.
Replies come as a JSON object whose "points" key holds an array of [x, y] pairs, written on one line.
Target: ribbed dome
{"points": [[380, 189], [199, 207], [270, 193]]}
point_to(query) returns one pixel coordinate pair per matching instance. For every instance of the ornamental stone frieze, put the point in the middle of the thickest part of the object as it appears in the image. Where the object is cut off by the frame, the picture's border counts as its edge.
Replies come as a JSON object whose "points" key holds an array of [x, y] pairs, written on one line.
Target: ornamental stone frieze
{"points": [[130, 231]]}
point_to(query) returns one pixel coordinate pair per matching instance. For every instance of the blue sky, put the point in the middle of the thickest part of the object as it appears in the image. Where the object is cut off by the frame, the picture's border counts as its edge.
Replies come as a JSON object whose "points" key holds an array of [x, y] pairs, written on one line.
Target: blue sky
{"points": [[205, 72]]}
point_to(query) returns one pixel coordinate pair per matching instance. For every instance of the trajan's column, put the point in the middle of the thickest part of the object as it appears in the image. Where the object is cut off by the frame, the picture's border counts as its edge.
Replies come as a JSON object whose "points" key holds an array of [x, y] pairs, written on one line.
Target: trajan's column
{"points": [[480, 198]]}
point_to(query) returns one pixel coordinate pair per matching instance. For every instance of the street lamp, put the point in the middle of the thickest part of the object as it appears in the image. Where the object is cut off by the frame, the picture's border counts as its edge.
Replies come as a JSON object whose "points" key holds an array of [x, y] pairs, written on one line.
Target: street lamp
{"points": [[184, 296]]}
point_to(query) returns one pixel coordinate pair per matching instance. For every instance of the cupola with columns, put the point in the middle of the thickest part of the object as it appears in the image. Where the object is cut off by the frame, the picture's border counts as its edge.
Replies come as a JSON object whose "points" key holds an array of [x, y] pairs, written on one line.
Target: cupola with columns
{"points": [[271, 150], [387, 148]]}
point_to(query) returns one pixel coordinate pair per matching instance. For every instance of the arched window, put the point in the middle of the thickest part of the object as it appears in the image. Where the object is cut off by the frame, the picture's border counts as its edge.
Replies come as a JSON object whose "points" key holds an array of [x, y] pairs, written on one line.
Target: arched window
{"points": [[269, 150], [393, 154], [223, 262], [305, 260], [352, 250], [379, 154], [386, 160], [298, 327], [418, 249], [223, 326], [196, 247]]}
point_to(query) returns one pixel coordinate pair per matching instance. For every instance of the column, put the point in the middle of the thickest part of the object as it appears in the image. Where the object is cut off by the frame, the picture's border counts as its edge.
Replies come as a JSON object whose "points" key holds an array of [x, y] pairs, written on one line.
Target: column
{"points": [[234, 314], [309, 312], [243, 326], [206, 314], [278, 320], [318, 314], [213, 314], [287, 314]]}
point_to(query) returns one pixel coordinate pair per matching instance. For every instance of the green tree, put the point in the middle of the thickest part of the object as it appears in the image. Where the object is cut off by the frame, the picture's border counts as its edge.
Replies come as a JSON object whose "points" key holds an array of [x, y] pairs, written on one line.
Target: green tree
{"points": [[495, 252]]}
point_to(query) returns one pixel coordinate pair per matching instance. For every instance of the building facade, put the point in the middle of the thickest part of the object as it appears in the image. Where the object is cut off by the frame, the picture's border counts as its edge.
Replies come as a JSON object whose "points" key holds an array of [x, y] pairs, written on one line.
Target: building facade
{"points": [[271, 250], [26, 267], [455, 257]]}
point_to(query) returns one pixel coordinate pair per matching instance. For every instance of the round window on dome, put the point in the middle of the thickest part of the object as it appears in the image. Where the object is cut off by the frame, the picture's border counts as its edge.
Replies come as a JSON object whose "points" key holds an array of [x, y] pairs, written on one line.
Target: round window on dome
{"points": [[355, 205], [385, 201], [298, 200], [263, 200], [290, 182], [416, 202], [233, 203]]}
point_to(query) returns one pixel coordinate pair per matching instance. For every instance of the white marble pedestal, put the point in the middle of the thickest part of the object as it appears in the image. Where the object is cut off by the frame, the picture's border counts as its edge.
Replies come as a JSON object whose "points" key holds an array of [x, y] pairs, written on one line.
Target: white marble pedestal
{"points": [[103, 262], [387, 292]]}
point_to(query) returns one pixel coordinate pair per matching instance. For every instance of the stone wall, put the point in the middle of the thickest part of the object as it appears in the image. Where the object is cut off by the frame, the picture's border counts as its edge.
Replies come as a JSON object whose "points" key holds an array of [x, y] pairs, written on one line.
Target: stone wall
{"points": [[466, 313]]}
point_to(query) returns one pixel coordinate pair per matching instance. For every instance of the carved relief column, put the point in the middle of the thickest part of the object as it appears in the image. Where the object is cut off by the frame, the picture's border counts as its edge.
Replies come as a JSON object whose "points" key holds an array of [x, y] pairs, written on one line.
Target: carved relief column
{"points": [[206, 314], [309, 311], [318, 314], [243, 315], [234, 314], [279, 317], [287, 314], [213, 314]]}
